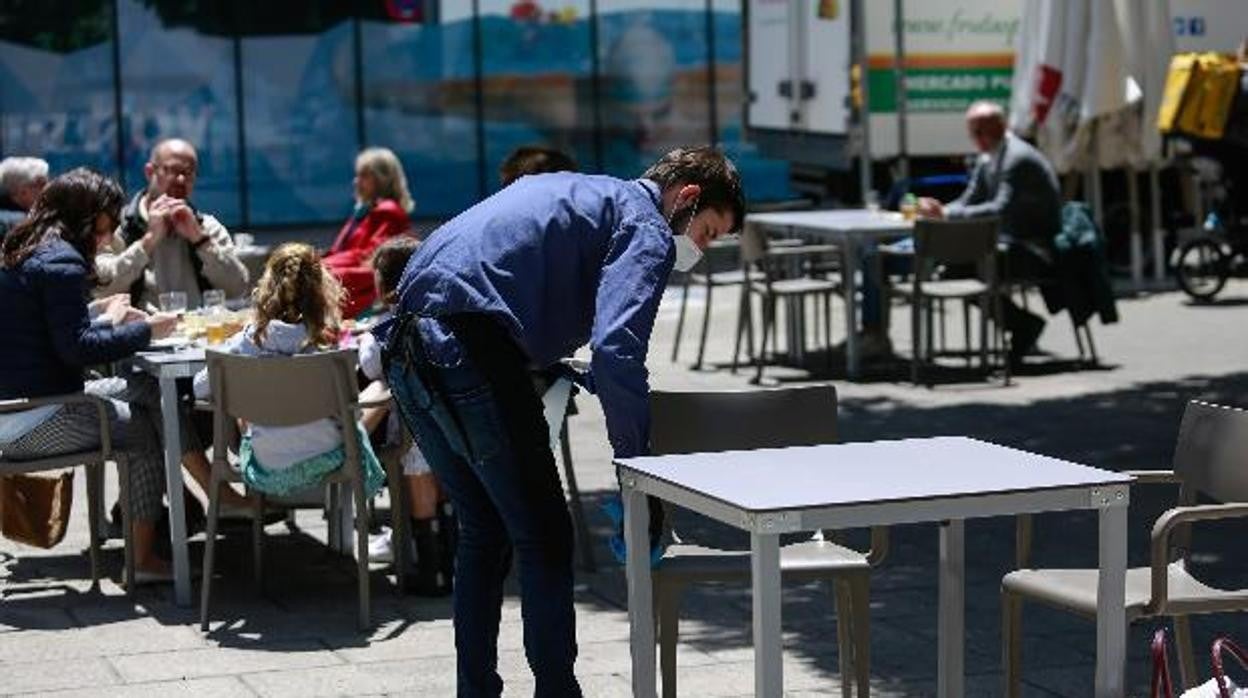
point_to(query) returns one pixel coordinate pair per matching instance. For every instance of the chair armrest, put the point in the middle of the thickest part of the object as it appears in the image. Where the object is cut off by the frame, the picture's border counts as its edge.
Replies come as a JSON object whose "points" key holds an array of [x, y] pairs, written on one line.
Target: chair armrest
{"points": [[802, 251], [1154, 477], [879, 546], [379, 402], [101, 409], [1160, 550], [26, 403]]}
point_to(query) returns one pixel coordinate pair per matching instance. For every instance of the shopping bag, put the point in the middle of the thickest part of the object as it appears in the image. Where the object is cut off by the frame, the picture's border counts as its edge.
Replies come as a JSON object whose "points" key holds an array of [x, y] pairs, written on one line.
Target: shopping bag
{"points": [[34, 509], [1161, 686], [1220, 686]]}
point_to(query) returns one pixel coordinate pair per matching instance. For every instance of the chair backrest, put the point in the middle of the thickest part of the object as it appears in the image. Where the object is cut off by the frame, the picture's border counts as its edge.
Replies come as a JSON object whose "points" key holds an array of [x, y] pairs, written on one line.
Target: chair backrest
{"points": [[689, 422], [284, 391], [1212, 451], [753, 244], [968, 241]]}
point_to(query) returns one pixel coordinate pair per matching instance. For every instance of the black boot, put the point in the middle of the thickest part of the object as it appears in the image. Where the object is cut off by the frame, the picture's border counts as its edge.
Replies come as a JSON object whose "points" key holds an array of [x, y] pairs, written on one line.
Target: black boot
{"points": [[427, 578]]}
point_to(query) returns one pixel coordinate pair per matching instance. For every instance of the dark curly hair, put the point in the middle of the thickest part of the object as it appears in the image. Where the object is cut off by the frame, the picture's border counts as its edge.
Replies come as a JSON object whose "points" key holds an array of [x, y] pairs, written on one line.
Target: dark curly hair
{"points": [[66, 209], [708, 168]]}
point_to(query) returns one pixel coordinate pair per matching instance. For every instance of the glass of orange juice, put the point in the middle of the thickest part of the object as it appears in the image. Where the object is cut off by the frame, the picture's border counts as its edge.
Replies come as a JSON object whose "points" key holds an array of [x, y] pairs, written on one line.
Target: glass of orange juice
{"points": [[215, 330]]}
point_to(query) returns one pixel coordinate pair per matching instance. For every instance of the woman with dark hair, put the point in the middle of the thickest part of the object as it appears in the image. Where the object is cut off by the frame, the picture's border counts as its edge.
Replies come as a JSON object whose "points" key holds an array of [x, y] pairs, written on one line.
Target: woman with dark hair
{"points": [[46, 274]]}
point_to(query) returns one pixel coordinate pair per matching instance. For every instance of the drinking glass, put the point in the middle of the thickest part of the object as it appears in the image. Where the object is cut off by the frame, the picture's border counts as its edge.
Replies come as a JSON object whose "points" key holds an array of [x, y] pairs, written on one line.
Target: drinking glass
{"points": [[214, 300], [173, 302]]}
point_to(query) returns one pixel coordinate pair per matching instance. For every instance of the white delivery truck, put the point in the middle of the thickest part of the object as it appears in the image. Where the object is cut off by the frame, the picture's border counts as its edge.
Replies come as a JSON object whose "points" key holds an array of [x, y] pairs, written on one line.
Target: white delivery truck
{"points": [[800, 77]]}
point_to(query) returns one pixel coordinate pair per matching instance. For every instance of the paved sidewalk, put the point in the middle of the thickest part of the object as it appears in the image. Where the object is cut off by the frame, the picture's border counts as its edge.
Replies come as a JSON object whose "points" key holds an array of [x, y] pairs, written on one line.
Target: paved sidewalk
{"points": [[56, 638]]}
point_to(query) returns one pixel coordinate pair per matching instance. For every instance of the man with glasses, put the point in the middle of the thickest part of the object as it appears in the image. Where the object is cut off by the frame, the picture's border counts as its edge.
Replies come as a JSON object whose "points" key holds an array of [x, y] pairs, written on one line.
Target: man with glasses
{"points": [[164, 243]]}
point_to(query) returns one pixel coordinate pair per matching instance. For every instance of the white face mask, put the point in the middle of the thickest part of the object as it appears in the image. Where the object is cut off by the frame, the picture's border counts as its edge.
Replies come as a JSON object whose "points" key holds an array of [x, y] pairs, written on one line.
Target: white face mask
{"points": [[688, 254]]}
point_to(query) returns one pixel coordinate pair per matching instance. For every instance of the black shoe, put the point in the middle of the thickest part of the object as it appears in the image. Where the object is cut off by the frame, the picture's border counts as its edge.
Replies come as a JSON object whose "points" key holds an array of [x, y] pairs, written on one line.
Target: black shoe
{"points": [[1023, 337], [428, 578]]}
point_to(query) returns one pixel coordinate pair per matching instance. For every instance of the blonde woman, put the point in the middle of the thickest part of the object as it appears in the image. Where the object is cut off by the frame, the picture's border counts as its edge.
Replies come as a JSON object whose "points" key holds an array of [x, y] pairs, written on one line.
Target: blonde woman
{"points": [[382, 205]]}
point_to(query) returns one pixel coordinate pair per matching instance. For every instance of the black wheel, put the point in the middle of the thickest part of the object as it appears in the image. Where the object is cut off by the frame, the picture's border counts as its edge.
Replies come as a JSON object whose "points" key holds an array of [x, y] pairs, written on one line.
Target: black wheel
{"points": [[1202, 268]]}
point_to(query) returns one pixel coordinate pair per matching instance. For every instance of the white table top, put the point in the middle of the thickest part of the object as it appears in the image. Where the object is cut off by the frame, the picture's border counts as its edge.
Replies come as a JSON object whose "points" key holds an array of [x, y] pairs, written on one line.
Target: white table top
{"points": [[866, 473], [841, 220]]}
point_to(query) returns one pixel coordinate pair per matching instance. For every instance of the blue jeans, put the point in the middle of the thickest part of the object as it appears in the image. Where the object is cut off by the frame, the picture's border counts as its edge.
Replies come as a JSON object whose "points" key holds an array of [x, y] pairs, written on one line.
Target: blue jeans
{"points": [[479, 424]]}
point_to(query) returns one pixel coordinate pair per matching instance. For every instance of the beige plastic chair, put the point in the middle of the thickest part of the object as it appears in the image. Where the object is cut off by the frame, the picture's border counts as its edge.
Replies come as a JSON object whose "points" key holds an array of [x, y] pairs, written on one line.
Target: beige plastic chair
{"points": [[723, 421], [960, 242], [720, 268], [92, 462], [1208, 459], [783, 269], [285, 391]]}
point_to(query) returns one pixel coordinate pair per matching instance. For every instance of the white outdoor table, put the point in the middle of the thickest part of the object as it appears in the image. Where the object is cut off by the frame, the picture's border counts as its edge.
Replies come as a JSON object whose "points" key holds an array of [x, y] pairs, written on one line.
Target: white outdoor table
{"points": [[849, 229], [945, 479], [167, 367]]}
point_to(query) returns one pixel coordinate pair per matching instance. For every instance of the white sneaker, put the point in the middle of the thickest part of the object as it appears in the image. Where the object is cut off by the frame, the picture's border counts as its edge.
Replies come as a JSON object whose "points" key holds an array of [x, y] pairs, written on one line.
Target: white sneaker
{"points": [[380, 547]]}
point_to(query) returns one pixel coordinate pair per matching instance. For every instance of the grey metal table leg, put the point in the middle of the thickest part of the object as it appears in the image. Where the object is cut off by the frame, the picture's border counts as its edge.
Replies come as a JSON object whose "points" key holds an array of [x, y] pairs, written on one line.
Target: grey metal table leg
{"points": [[765, 575], [173, 489], [950, 669], [1111, 614], [640, 591]]}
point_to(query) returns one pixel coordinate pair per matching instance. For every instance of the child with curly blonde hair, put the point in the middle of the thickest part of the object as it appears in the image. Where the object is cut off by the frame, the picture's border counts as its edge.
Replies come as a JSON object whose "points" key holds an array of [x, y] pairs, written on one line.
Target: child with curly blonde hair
{"points": [[297, 311]]}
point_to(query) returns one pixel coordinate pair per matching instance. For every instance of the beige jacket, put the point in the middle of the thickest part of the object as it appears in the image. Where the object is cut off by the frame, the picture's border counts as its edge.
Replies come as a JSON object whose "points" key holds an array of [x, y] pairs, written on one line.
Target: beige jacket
{"points": [[170, 266]]}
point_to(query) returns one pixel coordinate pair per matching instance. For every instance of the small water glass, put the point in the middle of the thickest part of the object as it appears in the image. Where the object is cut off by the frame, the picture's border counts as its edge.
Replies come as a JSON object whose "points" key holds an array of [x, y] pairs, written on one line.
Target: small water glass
{"points": [[173, 302]]}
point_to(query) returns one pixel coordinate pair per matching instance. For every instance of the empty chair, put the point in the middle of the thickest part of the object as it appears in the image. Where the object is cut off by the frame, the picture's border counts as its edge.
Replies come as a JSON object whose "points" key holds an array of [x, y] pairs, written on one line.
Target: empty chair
{"points": [[283, 391], [720, 267], [1208, 460], [783, 269], [962, 243], [723, 421]]}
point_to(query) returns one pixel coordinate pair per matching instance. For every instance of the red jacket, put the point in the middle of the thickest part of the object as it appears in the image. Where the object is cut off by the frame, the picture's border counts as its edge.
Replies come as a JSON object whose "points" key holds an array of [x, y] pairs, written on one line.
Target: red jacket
{"points": [[349, 258]]}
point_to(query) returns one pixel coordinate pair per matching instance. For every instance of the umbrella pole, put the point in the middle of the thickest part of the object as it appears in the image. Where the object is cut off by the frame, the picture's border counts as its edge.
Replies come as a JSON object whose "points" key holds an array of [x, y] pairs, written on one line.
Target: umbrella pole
{"points": [[858, 48], [899, 70], [1159, 231], [1137, 235]]}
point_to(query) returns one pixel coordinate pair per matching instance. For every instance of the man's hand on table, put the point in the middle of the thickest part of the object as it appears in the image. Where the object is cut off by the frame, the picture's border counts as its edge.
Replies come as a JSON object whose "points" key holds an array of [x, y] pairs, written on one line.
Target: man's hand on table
{"points": [[930, 208]]}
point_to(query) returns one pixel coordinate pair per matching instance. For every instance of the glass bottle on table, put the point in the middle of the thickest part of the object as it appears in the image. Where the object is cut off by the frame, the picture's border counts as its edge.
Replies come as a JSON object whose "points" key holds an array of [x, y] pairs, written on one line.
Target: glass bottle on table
{"points": [[909, 206]]}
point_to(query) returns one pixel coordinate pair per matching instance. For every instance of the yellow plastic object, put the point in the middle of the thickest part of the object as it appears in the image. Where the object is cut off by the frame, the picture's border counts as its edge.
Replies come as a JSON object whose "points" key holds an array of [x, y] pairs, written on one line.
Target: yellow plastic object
{"points": [[1198, 94]]}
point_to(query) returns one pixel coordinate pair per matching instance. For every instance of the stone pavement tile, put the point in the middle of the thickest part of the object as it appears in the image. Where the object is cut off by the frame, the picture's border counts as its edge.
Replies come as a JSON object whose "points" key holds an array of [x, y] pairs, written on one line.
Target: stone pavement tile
{"points": [[217, 687], [16, 616], [737, 678], [38, 677], [428, 677], [128, 637], [1076, 681], [593, 659], [222, 661], [600, 686], [416, 641]]}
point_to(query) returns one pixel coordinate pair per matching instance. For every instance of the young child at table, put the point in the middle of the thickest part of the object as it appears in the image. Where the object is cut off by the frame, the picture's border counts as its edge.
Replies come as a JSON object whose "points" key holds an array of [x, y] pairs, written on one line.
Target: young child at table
{"points": [[297, 311], [432, 526]]}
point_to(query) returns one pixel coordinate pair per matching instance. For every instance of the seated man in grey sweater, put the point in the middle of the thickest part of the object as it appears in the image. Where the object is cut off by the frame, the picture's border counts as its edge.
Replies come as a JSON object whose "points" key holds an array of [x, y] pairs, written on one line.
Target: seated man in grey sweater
{"points": [[1011, 180], [164, 243]]}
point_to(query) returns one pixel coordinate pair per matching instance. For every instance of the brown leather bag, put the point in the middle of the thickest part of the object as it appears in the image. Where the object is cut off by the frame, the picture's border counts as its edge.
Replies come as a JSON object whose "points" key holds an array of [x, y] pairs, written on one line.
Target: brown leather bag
{"points": [[34, 508]]}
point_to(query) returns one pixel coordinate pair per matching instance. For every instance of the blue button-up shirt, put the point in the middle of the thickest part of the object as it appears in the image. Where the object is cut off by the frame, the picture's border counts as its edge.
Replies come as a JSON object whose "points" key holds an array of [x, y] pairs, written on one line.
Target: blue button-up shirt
{"points": [[559, 260]]}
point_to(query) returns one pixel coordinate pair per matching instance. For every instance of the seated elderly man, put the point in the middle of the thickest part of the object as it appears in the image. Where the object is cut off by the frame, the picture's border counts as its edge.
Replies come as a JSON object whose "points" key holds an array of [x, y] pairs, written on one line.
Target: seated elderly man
{"points": [[1014, 181], [164, 243], [21, 181]]}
